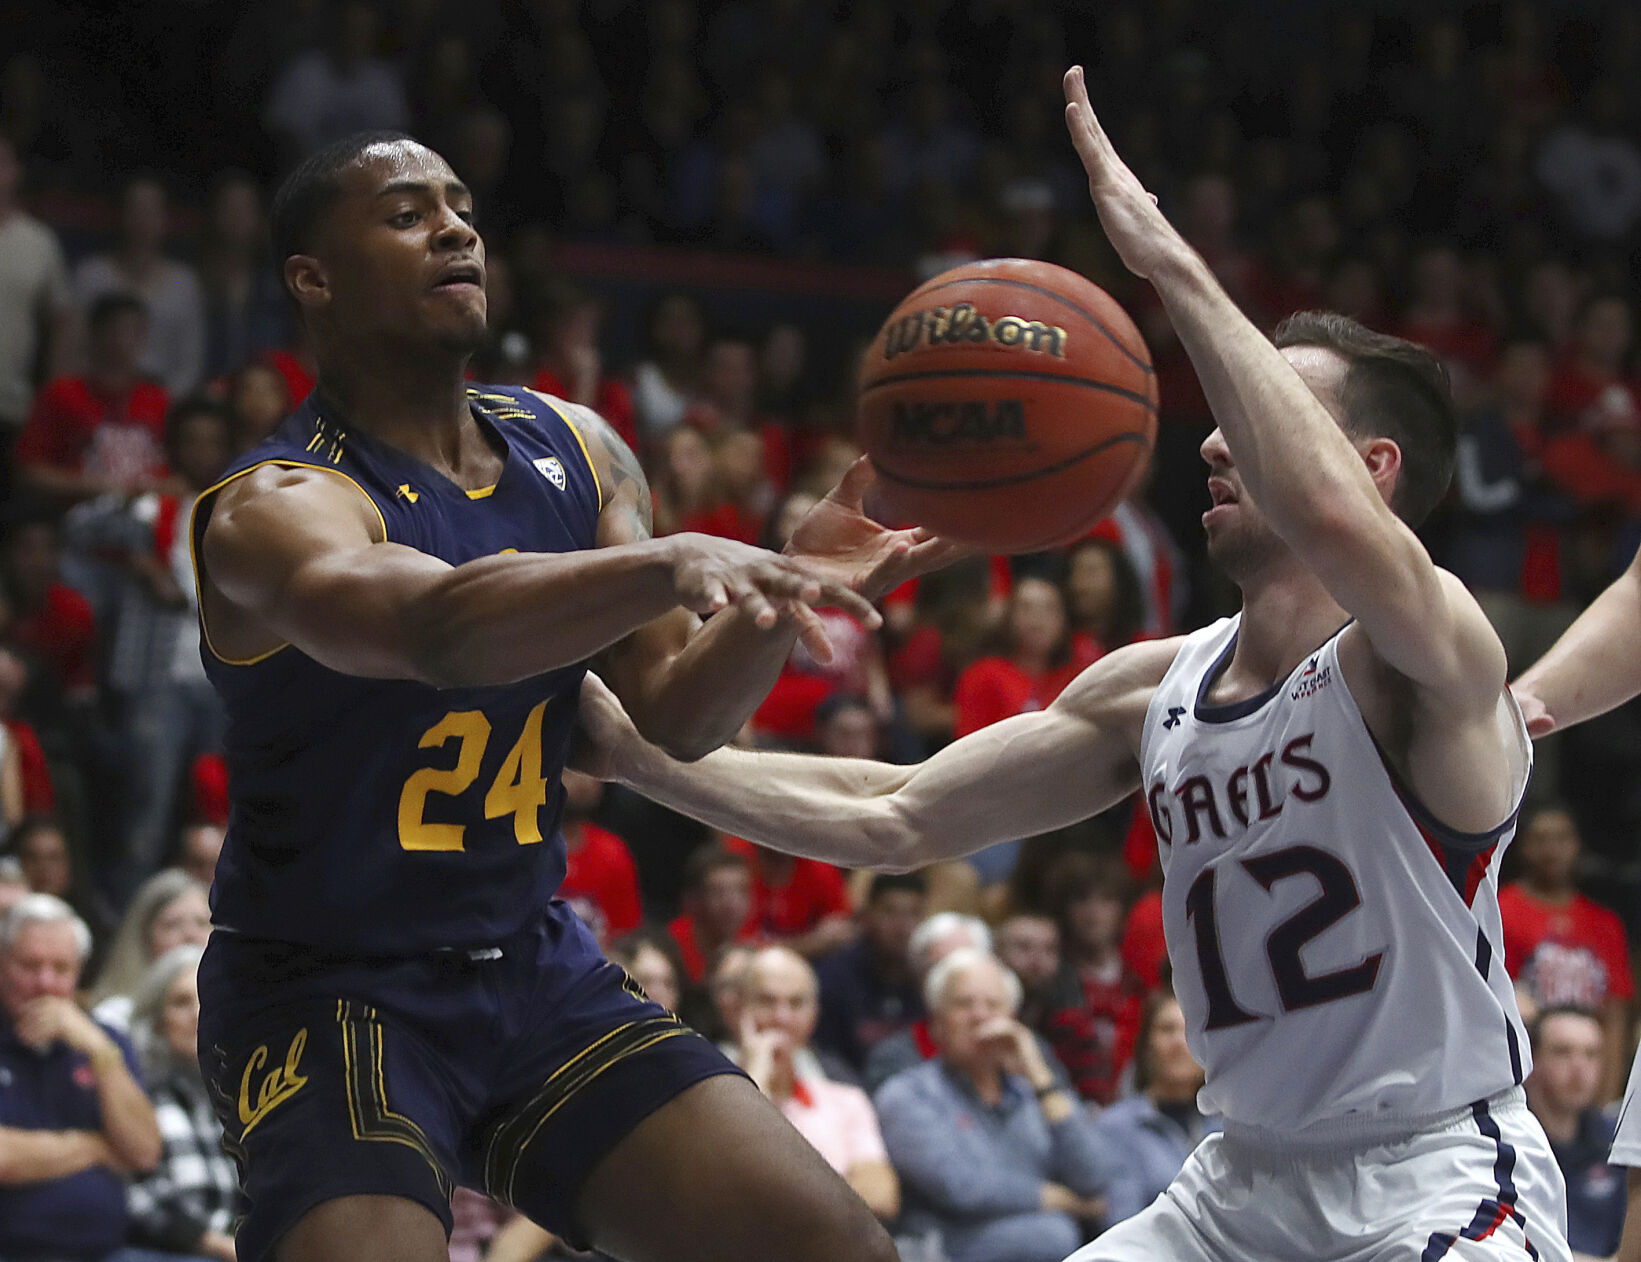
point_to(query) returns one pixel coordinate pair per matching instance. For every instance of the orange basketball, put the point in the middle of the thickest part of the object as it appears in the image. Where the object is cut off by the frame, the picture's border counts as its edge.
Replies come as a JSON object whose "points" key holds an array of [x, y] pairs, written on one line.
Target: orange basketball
{"points": [[1010, 404]]}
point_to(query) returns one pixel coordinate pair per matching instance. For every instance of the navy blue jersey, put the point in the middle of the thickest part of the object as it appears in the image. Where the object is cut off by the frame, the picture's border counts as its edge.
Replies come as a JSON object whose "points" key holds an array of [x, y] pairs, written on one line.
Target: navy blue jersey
{"points": [[389, 816]]}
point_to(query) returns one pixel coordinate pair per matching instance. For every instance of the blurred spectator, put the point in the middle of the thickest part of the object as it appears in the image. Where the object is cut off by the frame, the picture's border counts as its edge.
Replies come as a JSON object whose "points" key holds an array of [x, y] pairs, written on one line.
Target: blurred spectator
{"points": [[103, 432], [43, 851], [1164, 587], [1156, 1128], [991, 1152], [1560, 947], [664, 383], [1094, 1035], [76, 1118], [1144, 947], [38, 794], [846, 726], [600, 881], [868, 990], [174, 352], [35, 313], [569, 364], [170, 909], [926, 144], [717, 908], [167, 710], [1029, 944], [11, 783], [722, 1015], [1564, 1092], [651, 958], [727, 403], [245, 304], [261, 399], [684, 483], [802, 904], [779, 1010], [932, 941], [198, 848], [1591, 390], [189, 1204], [1593, 167], [324, 94], [1037, 661], [1102, 596], [50, 620], [13, 884], [942, 629], [1437, 318]]}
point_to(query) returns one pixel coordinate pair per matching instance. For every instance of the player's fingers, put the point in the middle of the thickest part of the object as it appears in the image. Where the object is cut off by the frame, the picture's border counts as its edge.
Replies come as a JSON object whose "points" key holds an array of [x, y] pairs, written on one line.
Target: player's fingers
{"points": [[755, 603], [714, 596], [851, 489], [812, 633], [851, 602]]}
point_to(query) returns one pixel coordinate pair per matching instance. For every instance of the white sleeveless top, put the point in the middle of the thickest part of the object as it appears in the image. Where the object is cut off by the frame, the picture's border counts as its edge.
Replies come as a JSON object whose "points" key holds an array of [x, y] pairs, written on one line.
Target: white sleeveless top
{"points": [[1337, 952]]}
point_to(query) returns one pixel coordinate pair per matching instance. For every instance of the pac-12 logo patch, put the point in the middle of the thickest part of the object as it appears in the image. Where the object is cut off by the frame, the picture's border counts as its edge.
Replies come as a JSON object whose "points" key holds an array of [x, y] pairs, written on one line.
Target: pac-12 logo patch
{"points": [[551, 469]]}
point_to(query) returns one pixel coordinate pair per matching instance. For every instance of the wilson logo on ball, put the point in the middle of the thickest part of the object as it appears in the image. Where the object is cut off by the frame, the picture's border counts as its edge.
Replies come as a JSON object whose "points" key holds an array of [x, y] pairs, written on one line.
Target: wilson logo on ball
{"points": [[942, 424], [954, 325]]}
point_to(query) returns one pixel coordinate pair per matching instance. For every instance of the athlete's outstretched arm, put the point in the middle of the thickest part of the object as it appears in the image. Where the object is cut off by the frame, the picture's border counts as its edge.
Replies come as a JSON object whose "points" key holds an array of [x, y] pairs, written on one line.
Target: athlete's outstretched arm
{"points": [[690, 687], [1594, 666], [1025, 775], [297, 556], [1305, 474]]}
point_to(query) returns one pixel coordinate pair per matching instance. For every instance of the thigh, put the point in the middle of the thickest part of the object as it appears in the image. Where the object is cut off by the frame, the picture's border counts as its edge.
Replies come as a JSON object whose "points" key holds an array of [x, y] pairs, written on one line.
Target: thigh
{"points": [[324, 1102], [1161, 1232], [718, 1173]]}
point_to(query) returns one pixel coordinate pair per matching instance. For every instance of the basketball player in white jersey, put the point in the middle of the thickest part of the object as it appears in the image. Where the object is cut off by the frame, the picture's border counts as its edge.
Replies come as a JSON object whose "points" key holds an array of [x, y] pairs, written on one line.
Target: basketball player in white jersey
{"points": [[1594, 667], [1333, 775]]}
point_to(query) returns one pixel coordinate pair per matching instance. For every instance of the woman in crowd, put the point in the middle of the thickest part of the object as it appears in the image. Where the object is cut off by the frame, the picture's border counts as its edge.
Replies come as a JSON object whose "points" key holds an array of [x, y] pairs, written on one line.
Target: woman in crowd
{"points": [[169, 909], [1103, 598], [188, 1204], [1155, 1129]]}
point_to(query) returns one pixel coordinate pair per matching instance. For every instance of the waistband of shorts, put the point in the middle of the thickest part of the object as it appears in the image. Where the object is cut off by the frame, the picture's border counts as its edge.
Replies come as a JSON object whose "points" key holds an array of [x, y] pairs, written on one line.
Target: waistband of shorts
{"points": [[1365, 1130]]}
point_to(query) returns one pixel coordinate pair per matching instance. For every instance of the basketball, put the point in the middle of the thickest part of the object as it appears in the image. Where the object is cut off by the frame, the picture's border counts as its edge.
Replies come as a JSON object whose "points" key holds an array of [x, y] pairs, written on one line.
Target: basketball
{"points": [[1009, 404]]}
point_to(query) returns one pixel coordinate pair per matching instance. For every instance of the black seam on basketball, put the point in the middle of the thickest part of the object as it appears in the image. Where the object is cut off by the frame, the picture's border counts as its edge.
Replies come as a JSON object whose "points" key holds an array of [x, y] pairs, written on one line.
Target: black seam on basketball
{"points": [[987, 484], [1087, 383], [1059, 298]]}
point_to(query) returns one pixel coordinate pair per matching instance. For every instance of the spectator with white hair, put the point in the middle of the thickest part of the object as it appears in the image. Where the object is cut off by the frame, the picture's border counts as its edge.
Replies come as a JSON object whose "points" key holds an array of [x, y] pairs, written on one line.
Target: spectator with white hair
{"points": [[189, 1203], [933, 940], [992, 1150], [779, 1007], [73, 1118]]}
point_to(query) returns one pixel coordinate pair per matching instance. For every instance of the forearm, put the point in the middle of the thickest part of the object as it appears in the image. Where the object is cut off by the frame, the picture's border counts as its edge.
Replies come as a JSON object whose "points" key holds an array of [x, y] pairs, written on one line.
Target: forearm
{"points": [[34, 1156], [128, 1118], [875, 1183], [1596, 664], [1296, 462]]}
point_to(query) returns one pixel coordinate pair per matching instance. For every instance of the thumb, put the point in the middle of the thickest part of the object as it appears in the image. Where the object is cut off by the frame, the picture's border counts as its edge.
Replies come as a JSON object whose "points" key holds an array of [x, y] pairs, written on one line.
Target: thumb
{"points": [[852, 487]]}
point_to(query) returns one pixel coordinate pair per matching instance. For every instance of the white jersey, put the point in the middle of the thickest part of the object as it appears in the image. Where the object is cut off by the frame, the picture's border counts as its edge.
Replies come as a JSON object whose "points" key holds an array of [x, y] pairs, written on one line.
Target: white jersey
{"points": [[1337, 952]]}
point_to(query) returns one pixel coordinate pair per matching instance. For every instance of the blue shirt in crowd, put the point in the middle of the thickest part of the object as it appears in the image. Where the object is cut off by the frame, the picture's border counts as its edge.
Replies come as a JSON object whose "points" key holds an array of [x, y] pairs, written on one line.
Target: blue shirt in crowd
{"points": [[1151, 1147], [1595, 1190]]}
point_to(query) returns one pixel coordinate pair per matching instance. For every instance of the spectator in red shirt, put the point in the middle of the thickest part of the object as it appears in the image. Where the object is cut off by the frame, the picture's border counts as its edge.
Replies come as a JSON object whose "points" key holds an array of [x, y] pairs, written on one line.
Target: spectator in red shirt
{"points": [[103, 432], [728, 401], [1037, 663], [38, 796], [1436, 317], [1590, 390], [947, 619], [1094, 1036], [1559, 946], [801, 903], [1144, 949], [600, 879], [1103, 599], [50, 620], [568, 363], [717, 903]]}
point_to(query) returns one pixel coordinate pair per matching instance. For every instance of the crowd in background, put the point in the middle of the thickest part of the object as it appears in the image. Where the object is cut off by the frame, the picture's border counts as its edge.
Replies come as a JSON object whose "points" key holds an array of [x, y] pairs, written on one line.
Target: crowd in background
{"points": [[1466, 176]]}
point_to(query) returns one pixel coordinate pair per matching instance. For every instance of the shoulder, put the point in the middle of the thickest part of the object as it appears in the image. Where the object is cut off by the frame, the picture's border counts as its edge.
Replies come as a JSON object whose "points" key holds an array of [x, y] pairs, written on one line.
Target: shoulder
{"points": [[273, 496]]}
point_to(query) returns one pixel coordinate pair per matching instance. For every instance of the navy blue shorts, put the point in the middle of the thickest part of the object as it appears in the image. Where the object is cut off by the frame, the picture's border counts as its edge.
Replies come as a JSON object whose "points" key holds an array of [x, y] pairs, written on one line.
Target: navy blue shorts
{"points": [[514, 1073]]}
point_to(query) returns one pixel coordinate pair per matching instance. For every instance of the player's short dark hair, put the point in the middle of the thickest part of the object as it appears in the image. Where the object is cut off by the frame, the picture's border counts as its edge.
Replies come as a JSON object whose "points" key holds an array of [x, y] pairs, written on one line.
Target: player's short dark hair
{"points": [[893, 882], [1393, 389], [196, 405], [310, 190], [1535, 1031], [110, 307]]}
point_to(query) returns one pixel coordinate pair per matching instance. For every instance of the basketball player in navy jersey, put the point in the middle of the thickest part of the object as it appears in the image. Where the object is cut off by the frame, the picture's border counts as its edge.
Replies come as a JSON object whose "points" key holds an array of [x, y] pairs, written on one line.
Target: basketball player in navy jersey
{"points": [[1333, 775], [400, 591]]}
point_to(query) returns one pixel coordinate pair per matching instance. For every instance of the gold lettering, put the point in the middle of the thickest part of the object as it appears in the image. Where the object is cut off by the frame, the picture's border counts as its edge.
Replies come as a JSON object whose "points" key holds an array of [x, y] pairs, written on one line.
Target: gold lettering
{"points": [[276, 1087]]}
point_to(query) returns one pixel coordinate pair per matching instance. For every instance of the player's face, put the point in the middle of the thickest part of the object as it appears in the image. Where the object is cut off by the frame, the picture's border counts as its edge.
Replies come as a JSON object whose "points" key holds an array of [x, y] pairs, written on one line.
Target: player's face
{"points": [[780, 995], [1567, 1062], [45, 960], [1240, 539], [398, 252]]}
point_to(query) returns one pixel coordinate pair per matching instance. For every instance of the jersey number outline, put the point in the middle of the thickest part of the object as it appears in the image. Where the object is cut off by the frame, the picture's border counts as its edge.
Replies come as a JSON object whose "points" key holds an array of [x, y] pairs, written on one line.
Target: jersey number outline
{"points": [[519, 789], [1296, 988]]}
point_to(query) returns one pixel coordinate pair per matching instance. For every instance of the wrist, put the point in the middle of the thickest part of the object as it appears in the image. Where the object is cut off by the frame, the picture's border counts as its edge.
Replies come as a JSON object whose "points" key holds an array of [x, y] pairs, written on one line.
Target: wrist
{"points": [[106, 1056]]}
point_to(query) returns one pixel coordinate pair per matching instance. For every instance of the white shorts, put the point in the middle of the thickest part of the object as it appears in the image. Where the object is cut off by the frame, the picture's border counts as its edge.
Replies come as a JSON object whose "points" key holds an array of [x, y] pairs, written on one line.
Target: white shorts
{"points": [[1477, 1185], [1627, 1142]]}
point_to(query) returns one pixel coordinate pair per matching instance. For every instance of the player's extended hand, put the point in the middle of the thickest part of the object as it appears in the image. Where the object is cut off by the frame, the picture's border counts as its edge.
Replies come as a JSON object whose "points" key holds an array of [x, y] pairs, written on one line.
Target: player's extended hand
{"points": [[709, 574], [1540, 722], [1137, 230], [836, 538]]}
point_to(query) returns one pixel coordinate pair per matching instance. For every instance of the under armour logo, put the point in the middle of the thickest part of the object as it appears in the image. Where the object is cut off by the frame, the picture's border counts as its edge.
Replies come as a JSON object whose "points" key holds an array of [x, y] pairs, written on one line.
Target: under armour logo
{"points": [[404, 492], [1174, 713]]}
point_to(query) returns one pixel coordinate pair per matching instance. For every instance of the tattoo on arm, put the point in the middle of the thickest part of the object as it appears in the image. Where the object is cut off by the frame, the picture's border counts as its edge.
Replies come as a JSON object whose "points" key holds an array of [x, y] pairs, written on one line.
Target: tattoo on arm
{"points": [[627, 492]]}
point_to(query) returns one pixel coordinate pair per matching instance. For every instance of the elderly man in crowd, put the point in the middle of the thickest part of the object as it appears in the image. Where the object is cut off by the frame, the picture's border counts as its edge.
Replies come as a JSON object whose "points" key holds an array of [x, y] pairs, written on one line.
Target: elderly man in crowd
{"points": [[992, 1151], [73, 1119], [779, 1007]]}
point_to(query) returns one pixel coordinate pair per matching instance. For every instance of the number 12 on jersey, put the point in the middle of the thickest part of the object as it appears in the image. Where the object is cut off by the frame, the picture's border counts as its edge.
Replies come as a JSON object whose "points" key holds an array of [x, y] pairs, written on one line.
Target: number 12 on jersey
{"points": [[1294, 986], [519, 789]]}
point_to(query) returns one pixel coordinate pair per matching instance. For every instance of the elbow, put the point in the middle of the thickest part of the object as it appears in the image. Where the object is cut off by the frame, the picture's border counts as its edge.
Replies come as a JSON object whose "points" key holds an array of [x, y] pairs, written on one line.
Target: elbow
{"points": [[676, 737], [896, 842], [142, 1155]]}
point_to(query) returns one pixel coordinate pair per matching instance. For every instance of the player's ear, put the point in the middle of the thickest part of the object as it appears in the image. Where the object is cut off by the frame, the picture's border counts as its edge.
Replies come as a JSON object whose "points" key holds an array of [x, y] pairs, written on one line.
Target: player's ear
{"points": [[306, 280], [1384, 462]]}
